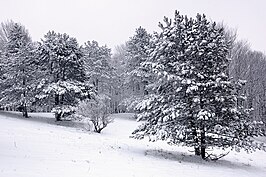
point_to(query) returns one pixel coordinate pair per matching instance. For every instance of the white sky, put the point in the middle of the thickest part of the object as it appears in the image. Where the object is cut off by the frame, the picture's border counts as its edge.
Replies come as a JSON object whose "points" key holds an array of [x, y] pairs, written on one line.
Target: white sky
{"points": [[112, 22]]}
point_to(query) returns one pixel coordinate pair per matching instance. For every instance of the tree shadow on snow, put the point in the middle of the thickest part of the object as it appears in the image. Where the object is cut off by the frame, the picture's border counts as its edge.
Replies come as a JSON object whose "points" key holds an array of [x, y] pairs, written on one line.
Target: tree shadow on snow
{"points": [[186, 158], [46, 118]]}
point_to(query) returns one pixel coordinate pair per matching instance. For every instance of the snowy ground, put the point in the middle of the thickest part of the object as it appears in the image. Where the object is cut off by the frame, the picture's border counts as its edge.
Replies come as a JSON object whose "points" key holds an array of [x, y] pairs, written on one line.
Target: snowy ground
{"points": [[38, 147]]}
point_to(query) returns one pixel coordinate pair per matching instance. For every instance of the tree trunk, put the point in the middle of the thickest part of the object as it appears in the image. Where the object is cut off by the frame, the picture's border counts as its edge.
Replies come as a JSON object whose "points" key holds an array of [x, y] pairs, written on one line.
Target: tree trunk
{"points": [[62, 99], [196, 147], [203, 144], [56, 99], [25, 111], [57, 114], [97, 84], [197, 151], [202, 134]]}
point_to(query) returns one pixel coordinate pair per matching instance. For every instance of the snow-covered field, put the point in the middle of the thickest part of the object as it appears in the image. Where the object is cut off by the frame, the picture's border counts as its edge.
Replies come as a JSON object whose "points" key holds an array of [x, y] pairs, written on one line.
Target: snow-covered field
{"points": [[38, 147]]}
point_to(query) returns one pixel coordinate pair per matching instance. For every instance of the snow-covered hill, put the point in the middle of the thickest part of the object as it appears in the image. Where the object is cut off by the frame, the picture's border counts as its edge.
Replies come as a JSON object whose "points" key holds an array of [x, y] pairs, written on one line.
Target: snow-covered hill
{"points": [[38, 147]]}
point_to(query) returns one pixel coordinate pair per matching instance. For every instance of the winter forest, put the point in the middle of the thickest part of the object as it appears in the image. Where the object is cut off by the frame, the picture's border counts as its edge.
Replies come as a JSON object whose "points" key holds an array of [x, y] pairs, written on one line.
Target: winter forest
{"points": [[193, 83]]}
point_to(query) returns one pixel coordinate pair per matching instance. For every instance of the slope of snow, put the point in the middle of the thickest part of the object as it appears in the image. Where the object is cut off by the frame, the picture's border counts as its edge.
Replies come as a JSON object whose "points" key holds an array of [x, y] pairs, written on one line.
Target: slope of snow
{"points": [[38, 147]]}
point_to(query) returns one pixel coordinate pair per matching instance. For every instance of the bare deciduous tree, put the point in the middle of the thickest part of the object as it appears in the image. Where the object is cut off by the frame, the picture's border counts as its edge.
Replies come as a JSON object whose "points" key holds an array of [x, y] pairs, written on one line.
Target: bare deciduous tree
{"points": [[96, 111]]}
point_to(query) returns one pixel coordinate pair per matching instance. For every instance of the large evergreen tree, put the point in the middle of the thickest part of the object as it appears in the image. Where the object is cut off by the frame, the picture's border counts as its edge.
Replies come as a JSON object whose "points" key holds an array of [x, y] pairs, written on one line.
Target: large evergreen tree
{"points": [[101, 74], [137, 52], [17, 67], [137, 77], [63, 72], [193, 102], [97, 64]]}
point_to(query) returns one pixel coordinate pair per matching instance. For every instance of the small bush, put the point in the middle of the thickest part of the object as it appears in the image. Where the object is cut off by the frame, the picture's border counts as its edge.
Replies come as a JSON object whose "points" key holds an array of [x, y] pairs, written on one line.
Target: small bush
{"points": [[62, 111], [96, 111]]}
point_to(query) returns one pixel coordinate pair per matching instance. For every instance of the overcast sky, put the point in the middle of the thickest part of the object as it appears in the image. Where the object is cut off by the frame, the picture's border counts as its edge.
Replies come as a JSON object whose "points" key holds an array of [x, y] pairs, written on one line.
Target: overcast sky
{"points": [[112, 22]]}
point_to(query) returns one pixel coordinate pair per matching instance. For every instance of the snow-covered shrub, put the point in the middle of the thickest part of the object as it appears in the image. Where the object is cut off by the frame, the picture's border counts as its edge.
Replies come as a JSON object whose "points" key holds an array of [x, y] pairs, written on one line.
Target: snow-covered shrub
{"points": [[95, 111], [63, 111]]}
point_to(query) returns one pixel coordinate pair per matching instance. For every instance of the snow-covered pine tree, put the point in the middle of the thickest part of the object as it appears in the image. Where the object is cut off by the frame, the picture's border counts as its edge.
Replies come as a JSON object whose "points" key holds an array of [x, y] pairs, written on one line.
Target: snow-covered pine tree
{"points": [[99, 70], [137, 51], [17, 62], [193, 101], [63, 73]]}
